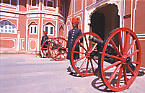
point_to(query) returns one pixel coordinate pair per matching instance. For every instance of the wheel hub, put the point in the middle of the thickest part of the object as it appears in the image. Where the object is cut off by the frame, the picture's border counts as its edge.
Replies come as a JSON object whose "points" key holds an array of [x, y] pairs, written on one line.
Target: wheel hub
{"points": [[93, 53], [128, 60]]}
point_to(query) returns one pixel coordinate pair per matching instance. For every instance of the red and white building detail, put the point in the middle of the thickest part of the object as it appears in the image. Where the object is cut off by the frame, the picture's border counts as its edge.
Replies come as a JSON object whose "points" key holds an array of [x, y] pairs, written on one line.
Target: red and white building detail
{"points": [[23, 21]]}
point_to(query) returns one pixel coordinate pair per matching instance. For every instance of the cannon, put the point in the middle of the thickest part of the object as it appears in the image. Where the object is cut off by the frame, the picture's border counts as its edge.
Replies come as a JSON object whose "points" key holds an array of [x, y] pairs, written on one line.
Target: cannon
{"points": [[117, 58], [55, 48]]}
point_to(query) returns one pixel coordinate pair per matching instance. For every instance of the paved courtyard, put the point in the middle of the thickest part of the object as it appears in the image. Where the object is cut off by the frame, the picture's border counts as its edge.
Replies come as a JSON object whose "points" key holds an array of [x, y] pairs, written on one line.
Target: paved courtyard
{"points": [[20, 73]]}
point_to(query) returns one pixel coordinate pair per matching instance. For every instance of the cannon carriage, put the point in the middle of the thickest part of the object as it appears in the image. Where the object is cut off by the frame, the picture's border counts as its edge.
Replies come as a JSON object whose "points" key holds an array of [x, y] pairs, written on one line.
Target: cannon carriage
{"points": [[55, 48], [117, 58]]}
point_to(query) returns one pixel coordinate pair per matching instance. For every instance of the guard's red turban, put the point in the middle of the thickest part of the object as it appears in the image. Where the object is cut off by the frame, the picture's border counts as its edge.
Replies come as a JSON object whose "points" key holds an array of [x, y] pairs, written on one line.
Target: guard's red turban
{"points": [[75, 20], [45, 32]]}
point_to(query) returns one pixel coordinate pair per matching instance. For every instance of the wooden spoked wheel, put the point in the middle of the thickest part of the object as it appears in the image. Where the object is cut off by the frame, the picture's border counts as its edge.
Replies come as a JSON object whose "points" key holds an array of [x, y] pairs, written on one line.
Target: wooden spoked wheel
{"points": [[45, 47], [119, 64], [87, 64], [57, 49]]}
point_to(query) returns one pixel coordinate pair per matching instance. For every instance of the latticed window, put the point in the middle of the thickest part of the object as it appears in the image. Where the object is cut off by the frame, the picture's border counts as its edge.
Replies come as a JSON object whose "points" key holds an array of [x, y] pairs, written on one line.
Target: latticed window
{"points": [[7, 27]]}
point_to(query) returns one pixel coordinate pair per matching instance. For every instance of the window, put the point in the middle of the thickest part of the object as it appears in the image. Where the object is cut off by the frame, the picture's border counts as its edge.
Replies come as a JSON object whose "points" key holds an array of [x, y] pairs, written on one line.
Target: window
{"points": [[7, 27], [34, 3], [49, 29], [49, 3], [33, 29]]}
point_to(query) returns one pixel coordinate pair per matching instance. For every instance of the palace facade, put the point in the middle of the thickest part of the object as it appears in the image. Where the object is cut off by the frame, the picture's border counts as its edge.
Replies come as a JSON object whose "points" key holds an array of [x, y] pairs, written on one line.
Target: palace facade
{"points": [[23, 21]]}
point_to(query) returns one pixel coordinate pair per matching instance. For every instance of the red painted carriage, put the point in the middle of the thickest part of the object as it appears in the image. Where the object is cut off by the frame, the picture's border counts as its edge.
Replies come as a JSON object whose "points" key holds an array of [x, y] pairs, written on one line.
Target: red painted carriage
{"points": [[55, 48], [117, 58]]}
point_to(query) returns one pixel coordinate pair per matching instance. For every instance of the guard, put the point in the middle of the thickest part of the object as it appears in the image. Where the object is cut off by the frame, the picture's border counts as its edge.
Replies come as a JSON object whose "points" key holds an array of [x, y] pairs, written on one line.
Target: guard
{"points": [[44, 37], [72, 36]]}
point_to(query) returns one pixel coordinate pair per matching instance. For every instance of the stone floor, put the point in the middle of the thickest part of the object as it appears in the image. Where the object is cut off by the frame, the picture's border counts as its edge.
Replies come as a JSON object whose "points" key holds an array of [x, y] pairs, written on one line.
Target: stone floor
{"points": [[20, 73]]}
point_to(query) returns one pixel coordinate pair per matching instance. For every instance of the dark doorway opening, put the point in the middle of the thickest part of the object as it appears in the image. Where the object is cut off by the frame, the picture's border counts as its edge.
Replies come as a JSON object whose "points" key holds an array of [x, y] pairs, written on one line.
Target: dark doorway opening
{"points": [[98, 24], [105, 19]]}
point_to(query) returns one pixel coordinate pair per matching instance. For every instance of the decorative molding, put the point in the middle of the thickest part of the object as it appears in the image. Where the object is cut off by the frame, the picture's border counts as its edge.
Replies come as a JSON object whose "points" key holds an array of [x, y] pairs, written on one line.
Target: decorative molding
{"points": [[8, 38], [9, 14], [82, 2], [29, 44]]}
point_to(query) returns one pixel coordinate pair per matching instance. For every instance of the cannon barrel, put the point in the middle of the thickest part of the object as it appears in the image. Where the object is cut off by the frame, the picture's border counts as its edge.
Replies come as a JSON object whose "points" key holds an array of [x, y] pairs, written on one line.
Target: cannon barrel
{"points": [[96, 40]]}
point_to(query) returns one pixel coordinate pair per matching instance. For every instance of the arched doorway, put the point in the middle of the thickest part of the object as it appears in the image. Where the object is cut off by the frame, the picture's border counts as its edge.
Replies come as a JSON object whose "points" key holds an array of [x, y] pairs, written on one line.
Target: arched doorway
{"points": [[105, 19]]}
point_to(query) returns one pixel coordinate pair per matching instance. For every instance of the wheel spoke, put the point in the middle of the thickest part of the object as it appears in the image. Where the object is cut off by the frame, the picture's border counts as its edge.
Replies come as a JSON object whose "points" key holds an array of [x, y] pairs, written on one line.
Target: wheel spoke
{"points": [[134, 53], [112, 56], [130, 70], [114, 73], [126, 41], [112, 65], [119, 77], [115, 47], [125, 76], [95, 60], [130, 46], [56, 43], [94, 46], [80, 59], [92, 65], [91, 44], [79, 52], [45, 48], [87, 66], [86, 42], [55, 51], [82, 46], [57, 54], [120, 42], [82, 64], [44, 44], [54, 46], [63, 55], [135, 62], [60, 55]]}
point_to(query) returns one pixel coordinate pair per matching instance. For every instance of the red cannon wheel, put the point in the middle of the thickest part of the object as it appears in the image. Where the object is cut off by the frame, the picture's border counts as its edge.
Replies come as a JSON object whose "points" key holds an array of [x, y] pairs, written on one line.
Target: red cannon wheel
{"points": [[45, 47], [57, 49], [87, 64], [119, 64]]}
